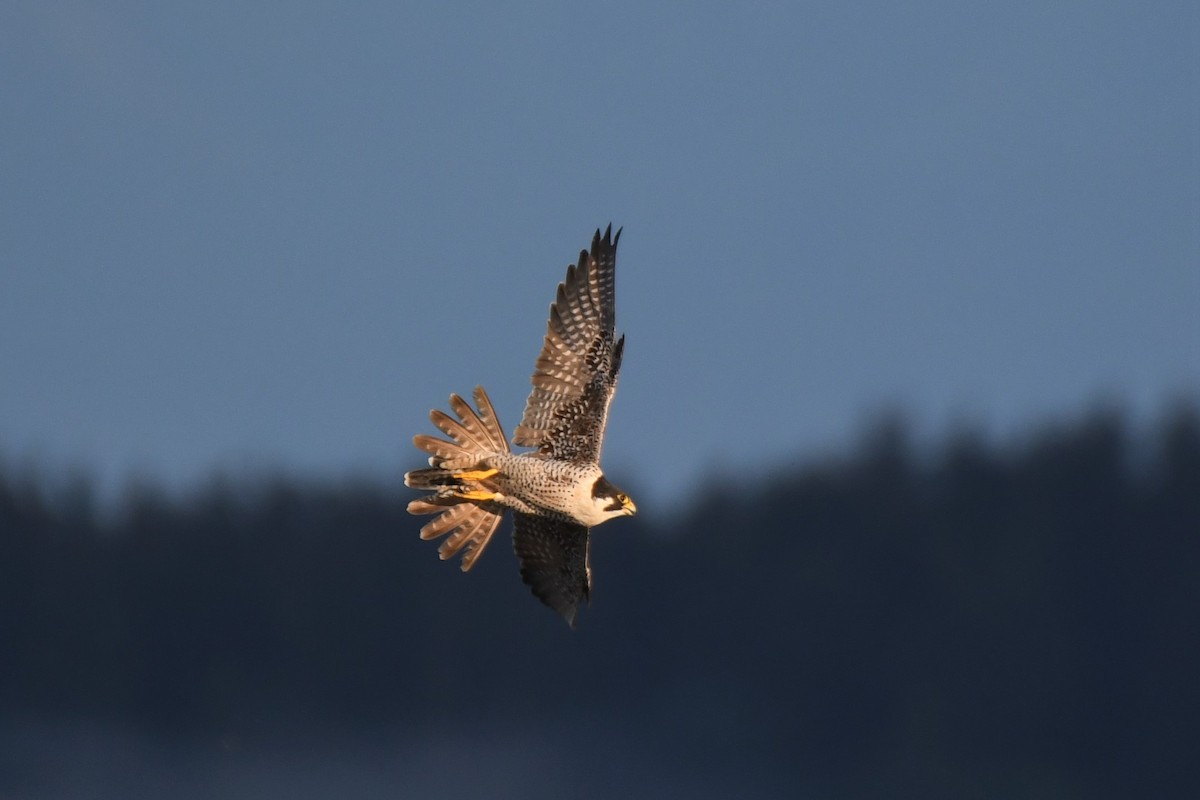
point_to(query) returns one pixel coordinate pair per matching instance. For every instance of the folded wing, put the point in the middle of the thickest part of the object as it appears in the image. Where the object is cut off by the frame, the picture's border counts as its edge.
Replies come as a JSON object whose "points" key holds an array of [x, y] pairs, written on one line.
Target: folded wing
{"points": [[554, 561]]}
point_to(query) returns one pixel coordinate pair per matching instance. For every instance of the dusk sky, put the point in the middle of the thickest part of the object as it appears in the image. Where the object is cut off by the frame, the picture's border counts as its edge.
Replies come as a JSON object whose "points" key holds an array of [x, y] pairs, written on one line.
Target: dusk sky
{"points": [[248, 237]]}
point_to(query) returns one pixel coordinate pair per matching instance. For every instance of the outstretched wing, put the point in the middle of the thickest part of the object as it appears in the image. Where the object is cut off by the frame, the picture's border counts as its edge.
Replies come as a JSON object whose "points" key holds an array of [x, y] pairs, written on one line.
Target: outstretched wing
{"points": [[576, 373], [554, 561]]}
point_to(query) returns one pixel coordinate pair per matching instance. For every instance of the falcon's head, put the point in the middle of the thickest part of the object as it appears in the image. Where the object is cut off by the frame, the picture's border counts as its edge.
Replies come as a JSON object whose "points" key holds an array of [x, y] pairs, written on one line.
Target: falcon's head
{"points": [[608, 501]]}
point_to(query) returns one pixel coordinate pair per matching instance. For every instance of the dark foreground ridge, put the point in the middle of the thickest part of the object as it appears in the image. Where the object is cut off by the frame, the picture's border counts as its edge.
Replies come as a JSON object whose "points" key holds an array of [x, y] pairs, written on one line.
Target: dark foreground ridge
{"points": [[987, 622]]}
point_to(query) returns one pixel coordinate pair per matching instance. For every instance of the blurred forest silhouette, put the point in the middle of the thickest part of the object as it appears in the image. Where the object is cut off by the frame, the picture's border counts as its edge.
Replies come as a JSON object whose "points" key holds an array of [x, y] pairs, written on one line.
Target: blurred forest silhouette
{"points": [[983, 620]]}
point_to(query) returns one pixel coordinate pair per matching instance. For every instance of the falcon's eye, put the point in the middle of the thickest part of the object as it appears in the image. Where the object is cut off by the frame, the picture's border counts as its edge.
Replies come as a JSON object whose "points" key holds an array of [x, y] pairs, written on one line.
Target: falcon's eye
{"points": [[622, 498]]}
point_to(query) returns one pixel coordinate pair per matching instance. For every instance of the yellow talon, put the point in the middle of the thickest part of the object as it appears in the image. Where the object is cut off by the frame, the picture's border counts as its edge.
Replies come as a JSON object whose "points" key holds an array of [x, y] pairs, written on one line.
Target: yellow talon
{"points": [[478, 494], [476, 475]]}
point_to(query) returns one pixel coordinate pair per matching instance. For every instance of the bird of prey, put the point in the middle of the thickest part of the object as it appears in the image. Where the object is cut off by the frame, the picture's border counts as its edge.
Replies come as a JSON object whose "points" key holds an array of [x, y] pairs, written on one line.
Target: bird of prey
{"points": [[556, 491]]}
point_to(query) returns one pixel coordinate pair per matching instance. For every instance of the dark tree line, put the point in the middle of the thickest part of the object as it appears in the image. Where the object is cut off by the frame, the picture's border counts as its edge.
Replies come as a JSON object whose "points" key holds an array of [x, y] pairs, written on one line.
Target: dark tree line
{"points": [[982, 620]]}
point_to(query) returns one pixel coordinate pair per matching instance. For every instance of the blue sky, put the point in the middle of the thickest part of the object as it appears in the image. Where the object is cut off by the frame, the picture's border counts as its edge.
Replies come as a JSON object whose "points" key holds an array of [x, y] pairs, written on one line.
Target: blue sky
{"points": [[247, 236]]}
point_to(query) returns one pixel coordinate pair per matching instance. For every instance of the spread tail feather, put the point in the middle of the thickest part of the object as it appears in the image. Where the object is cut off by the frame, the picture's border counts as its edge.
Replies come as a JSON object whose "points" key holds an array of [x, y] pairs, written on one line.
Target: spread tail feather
{"points": [[432, 478], [472, 435], [470, 527], [456, 468]]}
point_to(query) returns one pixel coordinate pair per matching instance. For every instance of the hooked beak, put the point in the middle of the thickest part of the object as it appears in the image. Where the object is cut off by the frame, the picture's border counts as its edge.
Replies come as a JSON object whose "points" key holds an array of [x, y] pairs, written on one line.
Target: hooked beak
{"points": [[629, 506]]}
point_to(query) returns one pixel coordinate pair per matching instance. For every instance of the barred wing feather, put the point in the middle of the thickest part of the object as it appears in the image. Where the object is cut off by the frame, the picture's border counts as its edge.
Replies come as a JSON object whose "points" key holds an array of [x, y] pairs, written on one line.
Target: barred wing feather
{"points": [[554, 561], [576, 373]]}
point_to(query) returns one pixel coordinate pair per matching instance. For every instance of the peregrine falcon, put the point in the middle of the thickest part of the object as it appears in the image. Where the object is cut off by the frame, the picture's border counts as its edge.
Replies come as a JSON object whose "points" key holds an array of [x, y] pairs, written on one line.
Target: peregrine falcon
{"points": [[557, 491]]}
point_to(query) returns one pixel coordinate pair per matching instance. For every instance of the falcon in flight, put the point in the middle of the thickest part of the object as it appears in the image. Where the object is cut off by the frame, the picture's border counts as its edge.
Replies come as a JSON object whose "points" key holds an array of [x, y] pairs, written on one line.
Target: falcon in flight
{"points": [[556, 491]]}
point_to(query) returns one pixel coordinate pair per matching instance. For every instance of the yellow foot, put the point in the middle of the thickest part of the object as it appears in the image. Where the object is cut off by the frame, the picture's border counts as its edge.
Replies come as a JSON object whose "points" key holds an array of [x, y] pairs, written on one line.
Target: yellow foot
{"points": [[478, 494], [476, 474]]}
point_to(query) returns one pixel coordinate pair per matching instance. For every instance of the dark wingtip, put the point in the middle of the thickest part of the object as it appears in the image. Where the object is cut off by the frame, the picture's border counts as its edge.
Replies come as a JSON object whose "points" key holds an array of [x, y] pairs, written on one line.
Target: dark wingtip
{"points": [[610, 240]]}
